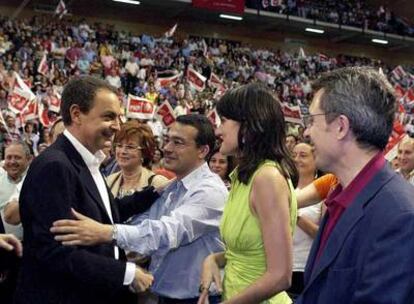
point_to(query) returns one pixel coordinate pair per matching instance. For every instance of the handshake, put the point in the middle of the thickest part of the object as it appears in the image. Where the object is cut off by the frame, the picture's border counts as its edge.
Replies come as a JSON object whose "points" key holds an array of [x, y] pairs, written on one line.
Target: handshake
{"points": [[142, 281]]}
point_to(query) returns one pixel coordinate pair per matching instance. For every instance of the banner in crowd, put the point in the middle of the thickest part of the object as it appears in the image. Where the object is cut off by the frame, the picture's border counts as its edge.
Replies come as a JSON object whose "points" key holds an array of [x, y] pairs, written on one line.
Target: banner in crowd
{"points": [[398, 73], [163, 82], [139, 108], [45, 119], [54, 102], [216, 82], [214, 118], [227, 6], [20, 95], [397, 134], [196, 80], [30, 112], [61, 10], [43, 68], [292, 114], [166, 113], [171, 31]]}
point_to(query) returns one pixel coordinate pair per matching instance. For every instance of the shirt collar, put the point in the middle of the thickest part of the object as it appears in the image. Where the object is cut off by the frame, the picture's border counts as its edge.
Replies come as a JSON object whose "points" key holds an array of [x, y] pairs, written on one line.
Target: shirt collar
{"points": [[91, 160], [344, 197], [193, 177]]}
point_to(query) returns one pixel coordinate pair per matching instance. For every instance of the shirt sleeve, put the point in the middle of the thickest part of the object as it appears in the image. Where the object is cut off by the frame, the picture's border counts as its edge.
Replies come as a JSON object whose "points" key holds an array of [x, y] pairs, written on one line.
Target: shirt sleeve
{"points": [[198, 215], [129, 273], [324, 184]]}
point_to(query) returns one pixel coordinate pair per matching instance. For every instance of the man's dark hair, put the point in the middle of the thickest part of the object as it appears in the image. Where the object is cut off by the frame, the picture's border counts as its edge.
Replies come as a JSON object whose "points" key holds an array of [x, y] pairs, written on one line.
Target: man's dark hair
{"points": [[205, 130], [365, 97], [81, 91]]}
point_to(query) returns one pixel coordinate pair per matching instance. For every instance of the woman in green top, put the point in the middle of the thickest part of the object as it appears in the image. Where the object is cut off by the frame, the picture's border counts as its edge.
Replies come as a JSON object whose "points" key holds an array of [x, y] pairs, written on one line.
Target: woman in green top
{"points": [[260, 213]]}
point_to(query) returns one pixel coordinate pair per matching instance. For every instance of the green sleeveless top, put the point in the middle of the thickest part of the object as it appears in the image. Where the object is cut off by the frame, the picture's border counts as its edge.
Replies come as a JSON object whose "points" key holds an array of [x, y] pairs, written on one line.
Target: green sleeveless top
{"points": [[240, 231]]}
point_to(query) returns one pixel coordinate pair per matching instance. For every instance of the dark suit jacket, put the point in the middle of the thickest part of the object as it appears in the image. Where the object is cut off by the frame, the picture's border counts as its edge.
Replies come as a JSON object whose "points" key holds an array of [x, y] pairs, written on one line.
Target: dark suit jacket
{"points": [[368, 257], [56, 181]]}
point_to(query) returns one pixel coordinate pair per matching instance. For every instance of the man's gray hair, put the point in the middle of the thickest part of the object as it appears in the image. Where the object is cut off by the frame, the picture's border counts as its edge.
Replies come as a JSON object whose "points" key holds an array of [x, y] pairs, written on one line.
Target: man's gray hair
{"points": [[365, 97]]}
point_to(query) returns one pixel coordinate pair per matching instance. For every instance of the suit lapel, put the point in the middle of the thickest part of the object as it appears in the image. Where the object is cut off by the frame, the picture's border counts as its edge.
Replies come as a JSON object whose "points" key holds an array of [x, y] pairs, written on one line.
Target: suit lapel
{"points": [[347, 221], [84, 173]]}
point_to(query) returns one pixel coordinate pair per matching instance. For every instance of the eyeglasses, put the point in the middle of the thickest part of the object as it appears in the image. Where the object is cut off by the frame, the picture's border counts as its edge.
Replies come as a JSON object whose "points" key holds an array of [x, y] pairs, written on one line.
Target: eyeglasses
{"points": [[308, 119], [129, 148]]}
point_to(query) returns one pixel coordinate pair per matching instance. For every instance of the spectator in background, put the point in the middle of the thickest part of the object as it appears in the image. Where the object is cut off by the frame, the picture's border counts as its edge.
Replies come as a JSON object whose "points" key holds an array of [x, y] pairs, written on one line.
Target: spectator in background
{"points": [[114, 79], [308, 218], [406, 158], [222, 165], [291, 141], [131, 68], [134, 149]]}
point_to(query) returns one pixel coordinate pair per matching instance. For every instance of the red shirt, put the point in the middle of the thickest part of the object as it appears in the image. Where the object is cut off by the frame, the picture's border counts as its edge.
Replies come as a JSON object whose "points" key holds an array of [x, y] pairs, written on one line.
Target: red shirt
{"points": [[338, 200]]}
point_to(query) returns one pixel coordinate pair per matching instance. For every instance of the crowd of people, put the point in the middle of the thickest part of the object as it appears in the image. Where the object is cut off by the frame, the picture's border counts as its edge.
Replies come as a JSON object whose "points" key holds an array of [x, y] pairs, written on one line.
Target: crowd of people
{"points": [[357, 13], [110, 209]]}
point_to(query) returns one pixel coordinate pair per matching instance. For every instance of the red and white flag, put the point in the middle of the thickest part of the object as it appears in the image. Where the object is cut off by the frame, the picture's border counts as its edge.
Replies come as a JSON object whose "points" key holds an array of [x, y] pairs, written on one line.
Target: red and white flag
{"points": [[399, 91], [139, 108], [43, 67], [292, 114], [396, 136], [171, 31], [214, 118], [205, 48], [166, 113], [215, 82], [323, 57], [196, 80], [20, 95], [45, 119], [31, 111], [163, 82], [398, 73], [54, 102], [61, 10]]}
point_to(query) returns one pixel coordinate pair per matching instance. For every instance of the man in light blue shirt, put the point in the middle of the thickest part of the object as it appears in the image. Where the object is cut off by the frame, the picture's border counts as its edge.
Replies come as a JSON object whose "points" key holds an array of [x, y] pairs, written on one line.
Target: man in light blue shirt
{"points": [[182, 227]]}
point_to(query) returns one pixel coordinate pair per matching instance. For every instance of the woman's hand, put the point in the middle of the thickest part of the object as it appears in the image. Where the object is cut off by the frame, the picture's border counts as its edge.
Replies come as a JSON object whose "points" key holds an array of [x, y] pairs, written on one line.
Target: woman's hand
{"points": [[210, 273], [81, 231]]}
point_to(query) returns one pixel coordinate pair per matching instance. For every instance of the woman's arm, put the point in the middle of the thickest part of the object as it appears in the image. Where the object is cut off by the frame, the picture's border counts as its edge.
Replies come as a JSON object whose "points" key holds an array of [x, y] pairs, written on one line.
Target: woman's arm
{"points": [[307, 196], [309, 227], [269, 200], [211, 273]]}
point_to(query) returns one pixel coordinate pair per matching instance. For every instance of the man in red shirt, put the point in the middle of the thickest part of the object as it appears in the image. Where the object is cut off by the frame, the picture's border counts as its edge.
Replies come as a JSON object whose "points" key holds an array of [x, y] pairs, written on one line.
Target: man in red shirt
{"points": [[363, 250]]}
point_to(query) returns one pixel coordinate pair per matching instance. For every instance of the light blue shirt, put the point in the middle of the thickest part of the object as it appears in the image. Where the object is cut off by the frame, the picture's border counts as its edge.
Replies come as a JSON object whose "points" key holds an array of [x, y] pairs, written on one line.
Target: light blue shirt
{"points": [[179, 231]]}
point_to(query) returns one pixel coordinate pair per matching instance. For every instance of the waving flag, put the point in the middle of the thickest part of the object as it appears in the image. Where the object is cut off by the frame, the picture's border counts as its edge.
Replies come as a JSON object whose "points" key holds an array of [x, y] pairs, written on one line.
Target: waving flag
{"points": [[163, 82], [398, 73], [61, 10], [43, 67], [166, 113], [20, 95], [215, 82], [196, 80], [171, 31], [139, 108]]}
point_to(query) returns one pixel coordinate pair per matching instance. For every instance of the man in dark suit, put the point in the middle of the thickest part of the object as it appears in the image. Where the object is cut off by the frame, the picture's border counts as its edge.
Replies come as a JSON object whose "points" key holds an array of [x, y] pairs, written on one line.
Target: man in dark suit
{"points": [[64, 179], [364, 248], [10, 251]]}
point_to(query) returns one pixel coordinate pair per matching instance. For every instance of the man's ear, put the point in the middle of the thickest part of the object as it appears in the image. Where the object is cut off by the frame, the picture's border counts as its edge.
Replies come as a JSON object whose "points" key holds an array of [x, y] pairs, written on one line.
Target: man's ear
{"points": [[75, 114], [343, 126], [204, 151]]}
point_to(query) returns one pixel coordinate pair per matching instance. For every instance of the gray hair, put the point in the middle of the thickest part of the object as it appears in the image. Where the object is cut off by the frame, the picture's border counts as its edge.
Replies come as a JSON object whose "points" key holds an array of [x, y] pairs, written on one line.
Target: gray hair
{"points": [[24, 145], [365, 97]]}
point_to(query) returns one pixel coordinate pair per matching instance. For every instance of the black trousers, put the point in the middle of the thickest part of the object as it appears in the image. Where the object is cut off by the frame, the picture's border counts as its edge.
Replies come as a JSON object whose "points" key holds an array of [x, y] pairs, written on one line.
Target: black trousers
{"points": [[298, 284]]}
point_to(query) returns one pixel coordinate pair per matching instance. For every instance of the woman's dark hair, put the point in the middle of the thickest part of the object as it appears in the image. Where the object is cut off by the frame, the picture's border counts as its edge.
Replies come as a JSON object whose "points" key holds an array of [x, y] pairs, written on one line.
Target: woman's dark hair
{"points": [[262, 129], [231, 163]]}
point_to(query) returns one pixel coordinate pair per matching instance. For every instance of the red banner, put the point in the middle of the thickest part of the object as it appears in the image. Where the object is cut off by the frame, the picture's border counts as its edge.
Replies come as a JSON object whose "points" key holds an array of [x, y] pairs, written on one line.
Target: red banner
{"points": [[226, 6], [292, 114], [166, 113], [196, 80], [163, 82], [139, 108]]}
